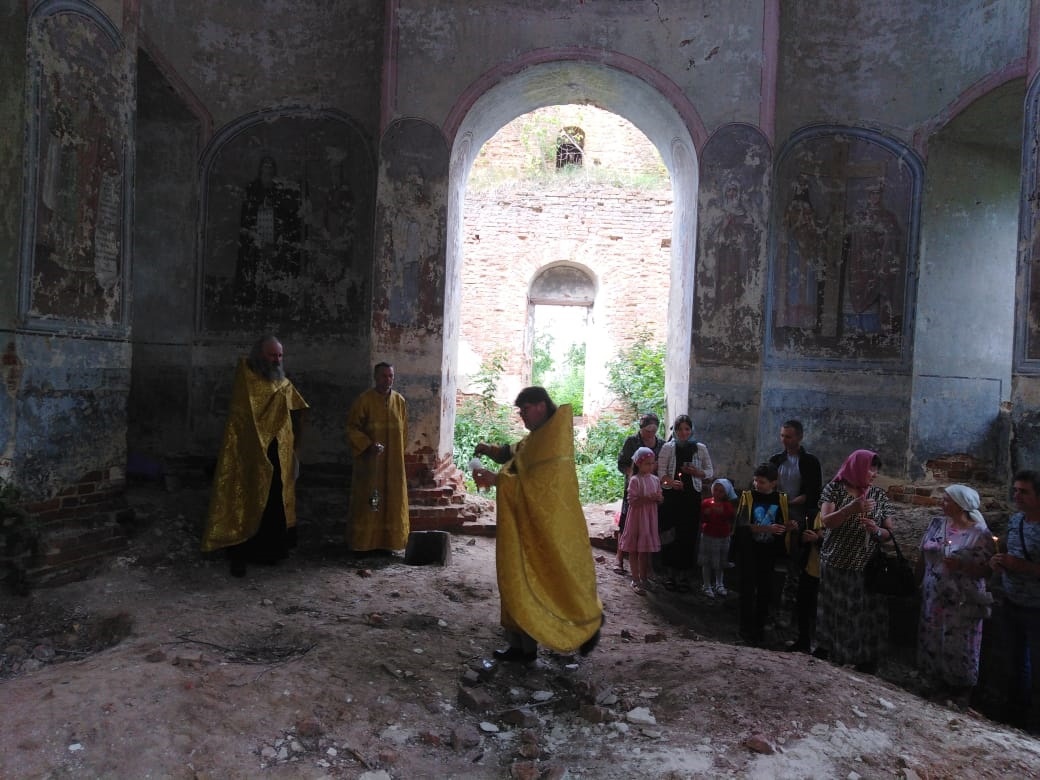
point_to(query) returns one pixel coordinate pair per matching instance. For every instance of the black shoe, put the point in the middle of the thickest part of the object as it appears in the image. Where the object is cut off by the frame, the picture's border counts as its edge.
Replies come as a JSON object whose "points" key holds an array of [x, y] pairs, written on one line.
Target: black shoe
{"points": [[238, 568], [866, 667], [517, 655], [590, 644], [797, 647], [821, 653]]}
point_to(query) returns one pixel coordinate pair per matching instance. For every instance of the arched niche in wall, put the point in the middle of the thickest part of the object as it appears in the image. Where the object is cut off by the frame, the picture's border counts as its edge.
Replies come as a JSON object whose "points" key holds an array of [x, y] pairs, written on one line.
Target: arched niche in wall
{"points": [[563, 285], [76, 221], [843, 249], [561, 298], [285, 241]]}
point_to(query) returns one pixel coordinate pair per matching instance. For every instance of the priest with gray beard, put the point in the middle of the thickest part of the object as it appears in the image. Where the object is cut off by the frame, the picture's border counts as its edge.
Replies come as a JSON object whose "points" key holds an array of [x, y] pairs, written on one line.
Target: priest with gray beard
{"points": [[252, 511]]}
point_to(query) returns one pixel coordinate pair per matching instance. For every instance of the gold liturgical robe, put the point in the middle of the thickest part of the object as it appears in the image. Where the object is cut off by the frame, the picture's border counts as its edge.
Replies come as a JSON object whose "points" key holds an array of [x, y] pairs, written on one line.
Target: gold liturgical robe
{"points": [[379, 488], [546, 574], [259, 413]]}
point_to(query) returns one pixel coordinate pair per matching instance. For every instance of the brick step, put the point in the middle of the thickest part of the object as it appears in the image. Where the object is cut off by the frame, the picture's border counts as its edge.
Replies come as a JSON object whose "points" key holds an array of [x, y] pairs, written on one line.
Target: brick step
{"points": [[65, 547], [440, 518]]}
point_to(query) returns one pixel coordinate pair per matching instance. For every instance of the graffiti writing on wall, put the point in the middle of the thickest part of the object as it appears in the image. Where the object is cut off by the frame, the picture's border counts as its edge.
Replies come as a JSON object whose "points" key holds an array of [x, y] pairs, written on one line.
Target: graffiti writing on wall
{"points": [[77, 258], [731, 245], [288, 201], [844, 245]]}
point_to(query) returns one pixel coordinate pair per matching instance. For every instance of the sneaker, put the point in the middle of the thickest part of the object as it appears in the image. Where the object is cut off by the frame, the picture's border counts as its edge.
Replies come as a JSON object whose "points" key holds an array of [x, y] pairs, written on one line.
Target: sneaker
{"points": [[708, 592], [720, 590]]}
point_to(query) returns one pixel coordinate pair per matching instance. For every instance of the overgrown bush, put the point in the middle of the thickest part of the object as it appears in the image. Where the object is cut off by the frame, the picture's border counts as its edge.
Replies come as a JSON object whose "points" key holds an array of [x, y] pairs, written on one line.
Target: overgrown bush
{"points": [[595, 455], [483, 418], [636, 376], [569, 388]]}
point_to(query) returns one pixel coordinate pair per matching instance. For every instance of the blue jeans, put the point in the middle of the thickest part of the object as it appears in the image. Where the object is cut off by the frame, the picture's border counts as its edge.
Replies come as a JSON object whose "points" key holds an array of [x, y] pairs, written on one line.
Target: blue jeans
{"points": [[1022, 625]]}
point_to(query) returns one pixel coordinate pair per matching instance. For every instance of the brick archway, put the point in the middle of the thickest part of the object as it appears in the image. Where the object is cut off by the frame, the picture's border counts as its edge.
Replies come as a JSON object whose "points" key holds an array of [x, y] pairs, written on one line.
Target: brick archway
{"points": [[625, 87]]}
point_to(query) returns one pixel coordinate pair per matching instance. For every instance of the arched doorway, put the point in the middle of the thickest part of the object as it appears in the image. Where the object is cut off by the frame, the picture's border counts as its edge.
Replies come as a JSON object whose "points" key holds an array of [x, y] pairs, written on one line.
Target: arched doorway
{"points": [[668, 122]]}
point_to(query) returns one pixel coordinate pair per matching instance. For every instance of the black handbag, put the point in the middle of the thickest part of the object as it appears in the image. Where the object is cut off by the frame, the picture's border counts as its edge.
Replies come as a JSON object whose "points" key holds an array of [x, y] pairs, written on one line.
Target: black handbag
{"points": [[889, 575]]}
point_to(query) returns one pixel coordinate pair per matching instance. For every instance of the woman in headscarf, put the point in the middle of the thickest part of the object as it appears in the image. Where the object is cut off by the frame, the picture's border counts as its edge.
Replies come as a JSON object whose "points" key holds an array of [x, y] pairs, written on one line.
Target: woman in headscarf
{"points": [[857, 516], [954, 550], [681, 465]]}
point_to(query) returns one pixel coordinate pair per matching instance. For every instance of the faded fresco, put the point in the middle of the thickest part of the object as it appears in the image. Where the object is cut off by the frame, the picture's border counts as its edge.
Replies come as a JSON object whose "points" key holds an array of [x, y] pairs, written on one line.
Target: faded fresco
{"points": [[844, 220], [731, 246], [77, 259], [1030, 227], [286, 235], [411, 225]]}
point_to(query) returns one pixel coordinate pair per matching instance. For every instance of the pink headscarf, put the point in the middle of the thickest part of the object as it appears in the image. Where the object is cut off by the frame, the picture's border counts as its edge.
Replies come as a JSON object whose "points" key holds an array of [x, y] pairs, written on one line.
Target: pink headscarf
{"points": [[855, 471]]}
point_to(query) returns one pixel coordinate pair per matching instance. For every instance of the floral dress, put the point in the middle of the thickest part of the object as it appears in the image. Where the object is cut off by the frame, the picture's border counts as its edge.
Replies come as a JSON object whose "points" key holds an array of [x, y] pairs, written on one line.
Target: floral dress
{"points": [[850, 622], [953, 603]]}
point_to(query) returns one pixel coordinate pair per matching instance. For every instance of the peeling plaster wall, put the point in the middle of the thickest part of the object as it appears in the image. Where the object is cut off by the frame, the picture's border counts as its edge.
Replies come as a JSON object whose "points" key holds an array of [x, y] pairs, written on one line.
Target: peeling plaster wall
{"points": [[889, 65], [67, 371], [240, 56], [963, 344], [72, 411], [299, 81], [12, 131], [712, 50]]}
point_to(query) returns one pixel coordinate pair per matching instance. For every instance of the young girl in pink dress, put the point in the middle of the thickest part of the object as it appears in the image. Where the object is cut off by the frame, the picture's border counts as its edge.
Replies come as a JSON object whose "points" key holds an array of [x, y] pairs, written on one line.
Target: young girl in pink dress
{"points": [[640, 539]]}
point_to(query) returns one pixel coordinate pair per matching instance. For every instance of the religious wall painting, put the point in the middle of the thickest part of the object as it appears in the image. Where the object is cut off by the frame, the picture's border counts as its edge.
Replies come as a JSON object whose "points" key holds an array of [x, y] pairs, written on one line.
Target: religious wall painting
{"points": [[1029, 222], [731, 246], [284, 245], [411, 224], [843, 247], [77, 260]]}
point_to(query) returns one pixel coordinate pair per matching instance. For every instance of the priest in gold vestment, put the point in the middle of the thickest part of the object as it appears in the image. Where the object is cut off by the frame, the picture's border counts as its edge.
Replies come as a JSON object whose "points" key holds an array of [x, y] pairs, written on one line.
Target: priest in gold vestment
{"points": [[252, 510], [377, 429], [546, 574]]}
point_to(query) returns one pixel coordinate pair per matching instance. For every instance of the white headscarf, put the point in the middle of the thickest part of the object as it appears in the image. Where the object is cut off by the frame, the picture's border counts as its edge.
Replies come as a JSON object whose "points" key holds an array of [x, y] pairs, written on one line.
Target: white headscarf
{"points": [[731, 494], [968, 500], [641, 454]]}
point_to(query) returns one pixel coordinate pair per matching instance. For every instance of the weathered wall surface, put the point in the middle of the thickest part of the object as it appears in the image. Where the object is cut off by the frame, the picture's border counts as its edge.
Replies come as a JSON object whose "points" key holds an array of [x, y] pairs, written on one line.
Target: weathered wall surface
{"points": [[293, 91], [522, 216], [712, 51], [962, 354], [238, 57], [891, 66], [621, 237], [12, 130]]}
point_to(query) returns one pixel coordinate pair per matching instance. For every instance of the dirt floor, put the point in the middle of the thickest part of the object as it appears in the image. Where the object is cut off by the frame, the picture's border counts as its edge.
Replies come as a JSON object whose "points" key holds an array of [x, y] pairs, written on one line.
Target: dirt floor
{"points": [[328, 665]]}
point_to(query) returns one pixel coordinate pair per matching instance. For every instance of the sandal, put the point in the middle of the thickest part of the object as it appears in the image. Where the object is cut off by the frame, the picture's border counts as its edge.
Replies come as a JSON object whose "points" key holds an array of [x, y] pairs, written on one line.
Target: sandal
{"points": [[669, 584], [620, 570]]}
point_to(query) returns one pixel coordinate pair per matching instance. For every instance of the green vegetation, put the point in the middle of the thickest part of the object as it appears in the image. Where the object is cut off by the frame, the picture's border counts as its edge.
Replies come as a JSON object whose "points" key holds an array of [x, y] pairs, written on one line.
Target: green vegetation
{"points": [[636, 376], [632, 375], [568, 387], [483, 418]]}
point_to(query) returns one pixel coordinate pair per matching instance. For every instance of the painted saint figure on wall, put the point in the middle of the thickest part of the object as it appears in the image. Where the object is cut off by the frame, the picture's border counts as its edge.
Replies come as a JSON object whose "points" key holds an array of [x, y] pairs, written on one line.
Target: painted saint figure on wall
{"points": [[77, 258], [269, 237], [872, 263], [847, 206], [734, 235], [803, 256]]}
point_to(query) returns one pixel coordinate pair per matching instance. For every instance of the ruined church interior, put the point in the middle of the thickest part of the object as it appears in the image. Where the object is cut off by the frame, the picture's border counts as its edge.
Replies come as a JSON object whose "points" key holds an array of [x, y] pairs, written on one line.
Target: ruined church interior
{"points": [[856, 217]]}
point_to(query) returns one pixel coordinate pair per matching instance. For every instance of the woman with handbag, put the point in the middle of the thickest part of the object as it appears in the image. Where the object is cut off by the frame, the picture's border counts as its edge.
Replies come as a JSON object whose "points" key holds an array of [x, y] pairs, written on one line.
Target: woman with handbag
{"points": [[851, 621], [955, 551]]}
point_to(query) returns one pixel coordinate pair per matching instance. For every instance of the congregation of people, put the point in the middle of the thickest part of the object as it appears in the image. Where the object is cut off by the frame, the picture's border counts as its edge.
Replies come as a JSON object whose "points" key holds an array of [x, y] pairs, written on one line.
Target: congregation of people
{"points": [[791, 544], [796, 548]]}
